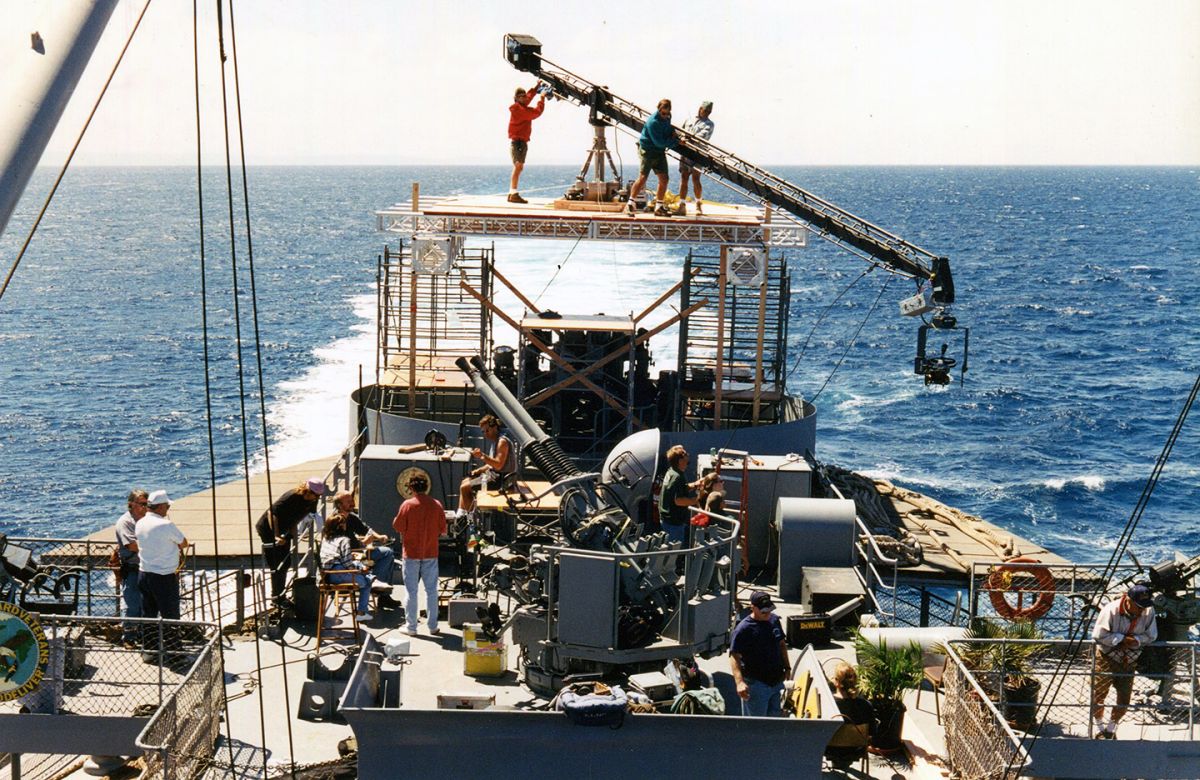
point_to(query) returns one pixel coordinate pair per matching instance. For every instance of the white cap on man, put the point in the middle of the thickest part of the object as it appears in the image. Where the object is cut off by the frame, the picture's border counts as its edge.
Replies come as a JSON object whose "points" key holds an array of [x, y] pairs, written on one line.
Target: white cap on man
{"points": [[158, 498]]}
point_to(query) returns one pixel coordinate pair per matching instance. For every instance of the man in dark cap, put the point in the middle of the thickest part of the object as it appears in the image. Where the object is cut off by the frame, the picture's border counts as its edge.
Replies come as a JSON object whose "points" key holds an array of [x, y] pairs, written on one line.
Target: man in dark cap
{"points": [[758, 658], [1123, 627]]}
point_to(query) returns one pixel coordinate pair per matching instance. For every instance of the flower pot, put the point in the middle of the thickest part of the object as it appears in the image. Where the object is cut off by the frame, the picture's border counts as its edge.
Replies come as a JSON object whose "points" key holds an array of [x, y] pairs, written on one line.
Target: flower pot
{"points": [[1020, 704], [891, 722]]}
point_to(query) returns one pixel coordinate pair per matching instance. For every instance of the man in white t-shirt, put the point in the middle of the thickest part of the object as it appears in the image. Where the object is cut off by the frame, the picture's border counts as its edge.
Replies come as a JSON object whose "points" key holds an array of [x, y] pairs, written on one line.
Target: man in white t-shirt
{"points": [[160, 547]]}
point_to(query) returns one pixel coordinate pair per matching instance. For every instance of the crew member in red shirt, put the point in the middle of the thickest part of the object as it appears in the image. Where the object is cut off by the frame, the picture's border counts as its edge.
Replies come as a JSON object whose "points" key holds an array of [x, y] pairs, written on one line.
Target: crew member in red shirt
{"points": [[520, 125], [420, 521]]}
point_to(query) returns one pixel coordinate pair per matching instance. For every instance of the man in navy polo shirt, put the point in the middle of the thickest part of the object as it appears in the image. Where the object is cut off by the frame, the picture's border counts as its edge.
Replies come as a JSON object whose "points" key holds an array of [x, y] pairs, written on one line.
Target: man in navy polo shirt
{"points": [[758, 658]]}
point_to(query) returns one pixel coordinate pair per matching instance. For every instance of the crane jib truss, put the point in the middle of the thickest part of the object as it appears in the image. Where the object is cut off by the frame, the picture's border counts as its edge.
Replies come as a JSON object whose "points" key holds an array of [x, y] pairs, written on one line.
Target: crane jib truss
{"points": [[840, 226]]}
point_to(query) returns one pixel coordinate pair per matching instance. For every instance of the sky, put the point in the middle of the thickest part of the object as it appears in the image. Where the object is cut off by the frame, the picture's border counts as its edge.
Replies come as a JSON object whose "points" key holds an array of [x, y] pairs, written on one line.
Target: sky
{"points": [[1010, 82]]}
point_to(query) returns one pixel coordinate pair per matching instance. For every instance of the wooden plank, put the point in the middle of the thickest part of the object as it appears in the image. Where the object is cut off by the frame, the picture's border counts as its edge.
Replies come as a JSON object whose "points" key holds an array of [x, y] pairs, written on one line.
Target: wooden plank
{"points": [[193, 513]]}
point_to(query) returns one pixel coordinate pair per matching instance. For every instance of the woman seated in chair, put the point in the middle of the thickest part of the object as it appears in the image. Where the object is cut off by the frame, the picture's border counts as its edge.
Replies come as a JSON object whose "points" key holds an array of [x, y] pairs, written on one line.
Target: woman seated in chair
{"points": [[855, 710], [337, 559]]}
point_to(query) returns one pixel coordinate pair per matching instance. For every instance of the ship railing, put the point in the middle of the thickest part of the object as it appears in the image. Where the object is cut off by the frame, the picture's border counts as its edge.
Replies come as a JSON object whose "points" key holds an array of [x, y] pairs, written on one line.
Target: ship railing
{"points": [[104, 687], [75, 577], [895, 603], [980, 743], [1050, 685], [1062, 598], [180, 739]]}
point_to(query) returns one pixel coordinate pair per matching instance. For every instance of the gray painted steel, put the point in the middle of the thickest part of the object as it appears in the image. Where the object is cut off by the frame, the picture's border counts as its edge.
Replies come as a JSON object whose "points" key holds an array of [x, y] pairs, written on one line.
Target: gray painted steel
{"points": [[70, 734], [812, 532], [378, 468], [587, 601], [498, 743], [1113, 758]]}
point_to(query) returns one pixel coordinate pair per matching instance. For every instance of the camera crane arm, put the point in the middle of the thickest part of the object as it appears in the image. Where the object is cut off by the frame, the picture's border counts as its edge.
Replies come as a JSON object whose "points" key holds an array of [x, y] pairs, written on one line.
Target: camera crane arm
{"points": [[523, 52]]}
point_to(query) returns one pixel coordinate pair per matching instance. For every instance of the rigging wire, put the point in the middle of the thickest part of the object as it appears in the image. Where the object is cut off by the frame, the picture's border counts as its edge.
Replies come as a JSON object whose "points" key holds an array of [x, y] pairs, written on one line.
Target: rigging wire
{"points": [[854, 338], [558, 268], [237, 324], [822, 316], [1104, 582], [208, 407], [71, 156], [262, 408]]}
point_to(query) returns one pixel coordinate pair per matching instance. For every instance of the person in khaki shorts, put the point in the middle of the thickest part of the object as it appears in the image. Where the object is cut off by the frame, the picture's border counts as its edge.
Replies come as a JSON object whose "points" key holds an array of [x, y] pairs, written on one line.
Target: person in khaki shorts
{"points": [[1123, 628], [520, 127]]}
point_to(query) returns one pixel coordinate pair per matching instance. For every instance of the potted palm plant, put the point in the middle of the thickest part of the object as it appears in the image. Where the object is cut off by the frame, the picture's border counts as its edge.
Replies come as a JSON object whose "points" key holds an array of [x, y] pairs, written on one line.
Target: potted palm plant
{"points": [[1004, 669], [884, 674]]}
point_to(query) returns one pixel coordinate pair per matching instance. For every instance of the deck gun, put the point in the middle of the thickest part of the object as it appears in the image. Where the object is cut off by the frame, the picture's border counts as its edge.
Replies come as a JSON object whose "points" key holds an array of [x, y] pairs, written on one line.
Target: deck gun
{"points": [[935, 290], [609, 595]]}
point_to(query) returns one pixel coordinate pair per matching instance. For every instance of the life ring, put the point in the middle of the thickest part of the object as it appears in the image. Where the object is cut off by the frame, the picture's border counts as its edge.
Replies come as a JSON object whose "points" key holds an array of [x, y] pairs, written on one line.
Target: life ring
{"points": [[1008, 577]]}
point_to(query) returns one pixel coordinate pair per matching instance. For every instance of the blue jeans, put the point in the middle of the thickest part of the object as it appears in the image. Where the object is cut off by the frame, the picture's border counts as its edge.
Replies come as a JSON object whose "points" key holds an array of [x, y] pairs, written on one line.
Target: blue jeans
{"points": [[364, 588], [131, 596], [417, 571], [676, 533], [385, 564], [765, 700]]}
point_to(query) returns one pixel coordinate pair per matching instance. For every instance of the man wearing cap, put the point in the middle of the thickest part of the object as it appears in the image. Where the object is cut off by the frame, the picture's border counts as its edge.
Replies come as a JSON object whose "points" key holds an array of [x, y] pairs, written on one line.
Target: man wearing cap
{"points": [[699, 126], [520, 128], [277, 528], [1123, 627], [160, 546], [127, 554], [420, 521], [758, 658]]}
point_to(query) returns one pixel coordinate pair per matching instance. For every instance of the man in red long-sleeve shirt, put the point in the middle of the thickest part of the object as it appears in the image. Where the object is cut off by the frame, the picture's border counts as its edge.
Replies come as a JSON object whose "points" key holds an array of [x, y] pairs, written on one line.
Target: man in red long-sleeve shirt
{"points": [[420, 521], [520, 126]]}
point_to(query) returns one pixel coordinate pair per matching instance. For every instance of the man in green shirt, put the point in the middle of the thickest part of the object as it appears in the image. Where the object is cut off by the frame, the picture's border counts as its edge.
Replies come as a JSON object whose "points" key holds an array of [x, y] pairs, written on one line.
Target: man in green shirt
{"points": [[676, 497]]}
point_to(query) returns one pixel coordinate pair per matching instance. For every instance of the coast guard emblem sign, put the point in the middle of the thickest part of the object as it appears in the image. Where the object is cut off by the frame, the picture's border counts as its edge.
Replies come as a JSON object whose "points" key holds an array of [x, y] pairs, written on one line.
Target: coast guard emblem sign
{"points": [[23, 652]]}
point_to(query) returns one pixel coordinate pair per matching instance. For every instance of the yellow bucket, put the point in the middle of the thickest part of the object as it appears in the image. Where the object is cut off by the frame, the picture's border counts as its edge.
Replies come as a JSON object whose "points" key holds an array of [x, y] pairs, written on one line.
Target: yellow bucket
{"points": [[483, 657]]}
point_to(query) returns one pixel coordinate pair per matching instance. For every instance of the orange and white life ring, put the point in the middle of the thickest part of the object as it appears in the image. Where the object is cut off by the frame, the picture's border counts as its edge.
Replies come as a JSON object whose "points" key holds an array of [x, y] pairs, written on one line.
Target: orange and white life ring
{"points": [[1017, 576]]}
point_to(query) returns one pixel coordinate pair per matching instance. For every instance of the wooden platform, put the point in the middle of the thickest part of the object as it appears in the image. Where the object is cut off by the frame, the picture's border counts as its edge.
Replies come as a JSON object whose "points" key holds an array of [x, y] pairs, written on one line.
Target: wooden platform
{"points": [[484, 215], [194, 513], [488, 500]]}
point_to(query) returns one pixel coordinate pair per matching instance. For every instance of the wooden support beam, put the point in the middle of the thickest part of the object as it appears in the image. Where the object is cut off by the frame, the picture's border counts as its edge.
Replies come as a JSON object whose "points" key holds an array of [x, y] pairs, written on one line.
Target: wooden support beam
{"points": [[554, 356], [578, 375], [512, 288], [674, 289]]}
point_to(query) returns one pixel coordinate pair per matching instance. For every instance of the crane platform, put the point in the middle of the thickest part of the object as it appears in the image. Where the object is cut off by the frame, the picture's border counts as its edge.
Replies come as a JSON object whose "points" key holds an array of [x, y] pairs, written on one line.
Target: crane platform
{"points": [[493, 215]]}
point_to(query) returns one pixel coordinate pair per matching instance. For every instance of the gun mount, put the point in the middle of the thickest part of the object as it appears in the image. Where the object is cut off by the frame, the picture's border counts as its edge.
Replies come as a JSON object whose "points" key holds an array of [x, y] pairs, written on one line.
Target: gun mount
{"points": [[608, 593]]}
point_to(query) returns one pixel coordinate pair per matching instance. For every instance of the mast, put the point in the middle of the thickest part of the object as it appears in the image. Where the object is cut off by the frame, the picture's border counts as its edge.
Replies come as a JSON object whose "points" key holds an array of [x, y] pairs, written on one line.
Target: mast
{"points": [[45, 61]]}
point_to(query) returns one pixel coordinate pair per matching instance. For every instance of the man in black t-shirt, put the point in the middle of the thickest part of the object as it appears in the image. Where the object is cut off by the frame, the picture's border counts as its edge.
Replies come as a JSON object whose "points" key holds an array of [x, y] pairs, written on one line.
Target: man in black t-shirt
{"points": [[277, 530]]}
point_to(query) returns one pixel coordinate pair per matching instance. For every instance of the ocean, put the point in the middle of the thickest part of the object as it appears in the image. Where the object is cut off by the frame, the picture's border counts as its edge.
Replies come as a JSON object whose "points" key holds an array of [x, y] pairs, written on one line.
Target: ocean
{"points": [[1079, 287]]}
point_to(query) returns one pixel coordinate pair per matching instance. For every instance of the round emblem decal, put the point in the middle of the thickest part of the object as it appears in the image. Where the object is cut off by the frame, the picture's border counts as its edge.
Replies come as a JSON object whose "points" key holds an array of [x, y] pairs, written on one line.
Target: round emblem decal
{"points": [[23, 652], [402, 481]]}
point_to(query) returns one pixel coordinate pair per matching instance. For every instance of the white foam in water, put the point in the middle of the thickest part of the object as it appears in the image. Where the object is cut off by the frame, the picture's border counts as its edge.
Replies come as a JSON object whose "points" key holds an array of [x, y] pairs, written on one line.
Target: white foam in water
{"points": [[1089, 481], [311, 419]]}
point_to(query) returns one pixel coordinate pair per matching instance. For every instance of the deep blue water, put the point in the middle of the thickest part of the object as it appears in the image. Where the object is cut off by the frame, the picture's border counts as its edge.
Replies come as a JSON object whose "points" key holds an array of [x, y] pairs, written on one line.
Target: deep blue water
{"points": [[1079, 286]]}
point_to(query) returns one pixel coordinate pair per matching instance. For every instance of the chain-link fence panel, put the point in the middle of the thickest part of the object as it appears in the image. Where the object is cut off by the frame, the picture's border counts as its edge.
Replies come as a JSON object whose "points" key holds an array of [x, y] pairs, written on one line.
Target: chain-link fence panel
{"points": [[180, 738], [1060, 599]]}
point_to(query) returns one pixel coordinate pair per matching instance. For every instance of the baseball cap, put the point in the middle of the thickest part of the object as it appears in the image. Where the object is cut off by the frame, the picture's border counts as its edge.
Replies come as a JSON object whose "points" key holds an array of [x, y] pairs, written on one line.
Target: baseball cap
{"points": [[316, 485], [158, 497], [1140, 595], [762, 600]]}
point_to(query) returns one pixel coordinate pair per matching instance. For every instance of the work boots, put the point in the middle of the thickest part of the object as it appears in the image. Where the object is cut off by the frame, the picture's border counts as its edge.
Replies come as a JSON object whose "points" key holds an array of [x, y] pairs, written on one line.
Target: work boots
{"points": [[515, 197]]}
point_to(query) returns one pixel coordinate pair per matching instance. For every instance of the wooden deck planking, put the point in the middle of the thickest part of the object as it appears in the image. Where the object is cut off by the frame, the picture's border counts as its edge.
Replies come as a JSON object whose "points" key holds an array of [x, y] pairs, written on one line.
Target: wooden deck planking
{"points": [[194, 516]]}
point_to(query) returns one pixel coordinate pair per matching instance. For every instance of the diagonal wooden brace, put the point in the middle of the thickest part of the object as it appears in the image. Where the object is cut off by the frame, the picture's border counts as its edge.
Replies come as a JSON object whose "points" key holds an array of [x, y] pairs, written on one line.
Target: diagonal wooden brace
{"points": [[578, 375], [554, 356]]}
